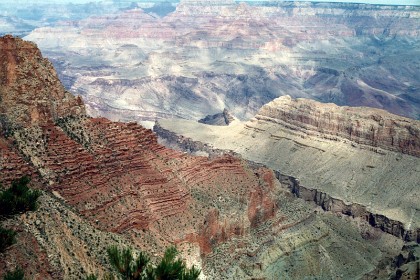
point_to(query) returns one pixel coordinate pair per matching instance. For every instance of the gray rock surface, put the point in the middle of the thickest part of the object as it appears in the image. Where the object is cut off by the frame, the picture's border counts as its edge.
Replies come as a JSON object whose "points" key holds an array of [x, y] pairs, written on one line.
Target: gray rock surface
{"points": [[207, 56], [383, 181]]}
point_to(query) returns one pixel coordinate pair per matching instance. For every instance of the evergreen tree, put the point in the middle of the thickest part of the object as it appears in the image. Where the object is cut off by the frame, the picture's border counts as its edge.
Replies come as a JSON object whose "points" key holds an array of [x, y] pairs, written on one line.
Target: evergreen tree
{"points": [[127, 267], [17, 274], [169, 268], [7, 238], [173, 268], [18, 198]]}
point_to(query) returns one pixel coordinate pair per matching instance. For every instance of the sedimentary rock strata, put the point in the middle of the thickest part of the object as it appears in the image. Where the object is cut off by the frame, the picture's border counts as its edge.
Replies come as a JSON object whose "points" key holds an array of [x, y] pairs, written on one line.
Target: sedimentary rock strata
{"points": [[354, 155], [371, 127], [207, 56], [112, 183]]}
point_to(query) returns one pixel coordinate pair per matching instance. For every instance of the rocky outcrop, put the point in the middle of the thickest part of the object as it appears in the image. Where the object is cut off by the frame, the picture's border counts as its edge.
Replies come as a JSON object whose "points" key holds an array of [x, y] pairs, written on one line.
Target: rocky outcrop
{"points": [[348, 157], [372, 127], [12, 165], [355, 210], [30, 91], [55, 242], [224, 118], [112, 183]]}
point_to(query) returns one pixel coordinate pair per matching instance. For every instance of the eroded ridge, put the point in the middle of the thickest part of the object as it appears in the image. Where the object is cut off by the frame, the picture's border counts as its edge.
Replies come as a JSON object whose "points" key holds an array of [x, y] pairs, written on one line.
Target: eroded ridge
{"points": [[368, 126], [110, 183], [30, 90]]}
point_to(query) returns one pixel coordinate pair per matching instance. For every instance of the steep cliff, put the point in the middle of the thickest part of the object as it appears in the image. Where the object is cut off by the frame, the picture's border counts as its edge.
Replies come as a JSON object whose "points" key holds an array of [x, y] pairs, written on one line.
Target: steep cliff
{"points": [[359, 156], [30, 91], [112, 183], [372, 127]]}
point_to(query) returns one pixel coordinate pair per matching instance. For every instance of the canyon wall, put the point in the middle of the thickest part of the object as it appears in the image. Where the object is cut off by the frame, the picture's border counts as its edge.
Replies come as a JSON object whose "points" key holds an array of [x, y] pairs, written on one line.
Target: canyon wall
{"points": [[376, 128], [110, 183], [320, 198], [358, 156], [208, 56], [329, 203]]}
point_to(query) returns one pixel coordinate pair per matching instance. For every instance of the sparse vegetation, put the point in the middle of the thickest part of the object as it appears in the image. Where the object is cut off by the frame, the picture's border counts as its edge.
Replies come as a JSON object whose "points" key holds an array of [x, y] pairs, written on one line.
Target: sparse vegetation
{"points": [[169, 268], [17, 274], [19, 198], [7, 238], [91, 277], [16, 199]]}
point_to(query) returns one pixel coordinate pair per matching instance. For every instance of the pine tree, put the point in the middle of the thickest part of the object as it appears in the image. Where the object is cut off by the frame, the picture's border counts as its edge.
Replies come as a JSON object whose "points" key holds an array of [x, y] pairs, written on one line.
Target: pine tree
{"points": [[17, 274], [127, 267], [18, 198], [7, 238], [171, 267]]}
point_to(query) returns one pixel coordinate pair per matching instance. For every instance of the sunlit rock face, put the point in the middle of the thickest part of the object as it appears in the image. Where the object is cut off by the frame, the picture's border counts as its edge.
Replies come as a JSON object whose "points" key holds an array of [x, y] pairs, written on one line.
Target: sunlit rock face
{"points": [[21, 81], [352, 160], [111, 183], [210, 55]]}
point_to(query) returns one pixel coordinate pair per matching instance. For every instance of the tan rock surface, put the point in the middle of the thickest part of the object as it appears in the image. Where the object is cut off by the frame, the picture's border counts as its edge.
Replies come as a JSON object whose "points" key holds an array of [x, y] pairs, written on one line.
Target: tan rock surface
{"points": [[288, 138], [30, 90], [210, 55], [113, 183]]}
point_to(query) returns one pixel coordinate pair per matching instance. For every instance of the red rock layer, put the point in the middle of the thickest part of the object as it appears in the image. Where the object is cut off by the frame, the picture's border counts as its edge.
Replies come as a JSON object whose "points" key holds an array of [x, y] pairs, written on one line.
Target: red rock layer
{"points": [[29, 256], [12, 165], [30, 91], [367, 126], [118, 176]]}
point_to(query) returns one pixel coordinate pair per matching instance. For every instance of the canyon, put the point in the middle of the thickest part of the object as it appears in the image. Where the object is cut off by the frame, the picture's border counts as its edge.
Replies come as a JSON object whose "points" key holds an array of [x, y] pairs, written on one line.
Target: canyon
{"points": [[360, 156], [107, 183], [260, 164], [202, 58]]}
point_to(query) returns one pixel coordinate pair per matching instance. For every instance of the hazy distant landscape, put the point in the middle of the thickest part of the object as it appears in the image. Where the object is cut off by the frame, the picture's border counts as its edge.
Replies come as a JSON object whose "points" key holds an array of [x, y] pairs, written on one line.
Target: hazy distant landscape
{"points": [[151, 60]]}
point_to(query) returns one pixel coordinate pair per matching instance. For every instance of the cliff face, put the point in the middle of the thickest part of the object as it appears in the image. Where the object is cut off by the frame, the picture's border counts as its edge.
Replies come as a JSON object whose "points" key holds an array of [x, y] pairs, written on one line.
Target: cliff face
{"points": [[115, 174], [30, 91], [323, 199], [359, 156], [112, 183], [366, 126]]}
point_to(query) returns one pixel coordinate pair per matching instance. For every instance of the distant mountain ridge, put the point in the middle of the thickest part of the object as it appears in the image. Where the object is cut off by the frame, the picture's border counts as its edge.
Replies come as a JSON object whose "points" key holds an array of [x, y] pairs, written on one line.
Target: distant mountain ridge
{"points": [[203, 58]]}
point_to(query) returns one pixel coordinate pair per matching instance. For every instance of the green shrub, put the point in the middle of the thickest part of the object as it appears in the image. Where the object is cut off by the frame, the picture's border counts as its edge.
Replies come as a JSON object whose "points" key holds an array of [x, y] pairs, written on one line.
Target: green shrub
{"points": [[169, 268], [17, 274], [125, 264], [92, 277], [7, 238], [18, 198]]}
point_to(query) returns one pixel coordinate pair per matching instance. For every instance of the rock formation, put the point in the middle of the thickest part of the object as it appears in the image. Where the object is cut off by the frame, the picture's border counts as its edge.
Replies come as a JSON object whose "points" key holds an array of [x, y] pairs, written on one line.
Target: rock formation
{"points": [[224, 118], [25, 75], [342, 156], [371, 127], [112, 183], [211, 55]]}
